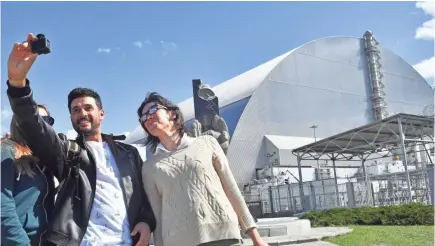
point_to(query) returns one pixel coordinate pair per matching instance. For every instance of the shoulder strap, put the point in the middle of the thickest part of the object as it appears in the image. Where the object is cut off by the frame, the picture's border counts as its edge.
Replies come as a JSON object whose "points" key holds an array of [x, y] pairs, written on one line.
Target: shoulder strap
{"points": [[72, 149], [73, 152], [72, 158]]}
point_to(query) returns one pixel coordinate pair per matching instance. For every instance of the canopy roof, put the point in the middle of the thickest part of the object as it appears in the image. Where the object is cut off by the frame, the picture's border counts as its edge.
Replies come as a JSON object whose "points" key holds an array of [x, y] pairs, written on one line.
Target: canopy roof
{"points": [[376, 137]]}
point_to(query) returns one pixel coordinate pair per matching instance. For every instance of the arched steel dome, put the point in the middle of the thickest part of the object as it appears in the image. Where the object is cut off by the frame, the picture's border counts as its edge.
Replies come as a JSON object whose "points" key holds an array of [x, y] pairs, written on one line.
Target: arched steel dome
{"points": [[326, 82]]}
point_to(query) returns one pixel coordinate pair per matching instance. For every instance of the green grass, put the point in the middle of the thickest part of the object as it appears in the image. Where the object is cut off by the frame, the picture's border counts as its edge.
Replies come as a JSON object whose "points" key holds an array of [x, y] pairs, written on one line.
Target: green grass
{"points": [[387, 236]]}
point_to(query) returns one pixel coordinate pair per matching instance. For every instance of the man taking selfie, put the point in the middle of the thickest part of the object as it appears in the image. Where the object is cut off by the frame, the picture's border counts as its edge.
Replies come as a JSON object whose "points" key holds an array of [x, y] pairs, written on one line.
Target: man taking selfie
{"points": [[101, 200]]}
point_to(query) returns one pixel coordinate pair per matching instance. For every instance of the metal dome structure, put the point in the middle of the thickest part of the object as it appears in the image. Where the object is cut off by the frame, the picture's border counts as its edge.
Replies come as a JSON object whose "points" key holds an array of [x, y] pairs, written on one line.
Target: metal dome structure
{"points": [[337, 83]]}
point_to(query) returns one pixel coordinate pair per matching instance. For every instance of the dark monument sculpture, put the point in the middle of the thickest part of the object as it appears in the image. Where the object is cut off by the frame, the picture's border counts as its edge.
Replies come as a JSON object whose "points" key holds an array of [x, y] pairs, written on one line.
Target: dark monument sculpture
{"points": [[206, 104], [207, 119]]}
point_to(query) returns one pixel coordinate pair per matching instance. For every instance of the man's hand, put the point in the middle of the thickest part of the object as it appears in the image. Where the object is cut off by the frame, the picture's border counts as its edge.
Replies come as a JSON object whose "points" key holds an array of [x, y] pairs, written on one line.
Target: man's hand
{"points": [[145, 233], [20, 61], [219, 131]]}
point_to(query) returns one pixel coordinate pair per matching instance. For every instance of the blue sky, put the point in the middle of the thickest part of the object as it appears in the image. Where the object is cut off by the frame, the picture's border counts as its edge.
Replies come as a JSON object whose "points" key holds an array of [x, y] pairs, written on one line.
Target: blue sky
{"points": [[125, 49]]}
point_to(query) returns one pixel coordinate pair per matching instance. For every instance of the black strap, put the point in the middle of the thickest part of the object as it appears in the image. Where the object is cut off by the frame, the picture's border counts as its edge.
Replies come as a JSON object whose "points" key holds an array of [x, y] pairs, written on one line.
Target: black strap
{"points": [[72, 161], [73, 152]]}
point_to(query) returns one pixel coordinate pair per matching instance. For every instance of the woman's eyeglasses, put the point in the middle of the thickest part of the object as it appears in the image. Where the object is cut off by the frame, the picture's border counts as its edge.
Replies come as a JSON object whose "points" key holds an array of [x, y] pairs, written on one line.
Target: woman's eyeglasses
{"points": [[151, 111], [48, 119]]}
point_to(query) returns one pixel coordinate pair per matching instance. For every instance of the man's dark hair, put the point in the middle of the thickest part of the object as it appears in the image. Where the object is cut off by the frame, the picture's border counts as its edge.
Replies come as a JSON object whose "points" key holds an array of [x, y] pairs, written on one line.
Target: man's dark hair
{"points": [[155, 97], [84, 92]]}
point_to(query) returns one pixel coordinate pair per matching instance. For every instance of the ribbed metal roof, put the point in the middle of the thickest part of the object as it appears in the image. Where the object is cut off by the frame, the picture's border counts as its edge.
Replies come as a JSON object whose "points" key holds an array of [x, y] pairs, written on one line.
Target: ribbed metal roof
{"points": [[230, 91]]}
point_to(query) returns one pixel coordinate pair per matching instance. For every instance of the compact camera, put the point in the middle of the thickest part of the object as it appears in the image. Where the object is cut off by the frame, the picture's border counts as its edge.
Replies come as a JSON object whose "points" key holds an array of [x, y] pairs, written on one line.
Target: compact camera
{"points": [[41, 45]]}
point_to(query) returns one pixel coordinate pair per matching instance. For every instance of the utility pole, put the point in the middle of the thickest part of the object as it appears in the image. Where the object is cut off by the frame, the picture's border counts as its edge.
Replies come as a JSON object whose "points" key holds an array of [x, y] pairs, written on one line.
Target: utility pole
{"points": [[315, 140], [320, 173], [314, 129]]}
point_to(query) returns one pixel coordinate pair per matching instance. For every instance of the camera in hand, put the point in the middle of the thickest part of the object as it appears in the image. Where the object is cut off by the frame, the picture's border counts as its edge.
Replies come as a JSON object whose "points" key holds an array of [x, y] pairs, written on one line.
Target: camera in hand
{"points": [[41, 45]]}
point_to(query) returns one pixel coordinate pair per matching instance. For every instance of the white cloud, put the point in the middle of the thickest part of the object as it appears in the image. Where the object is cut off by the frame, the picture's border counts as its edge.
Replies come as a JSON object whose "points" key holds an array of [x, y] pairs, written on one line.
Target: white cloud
{"points": [[426, 68], [71, 134], [427, 6], [126, 134], [138, 44], [103, 50], [168, 47], [427, 29], [426, 32]]}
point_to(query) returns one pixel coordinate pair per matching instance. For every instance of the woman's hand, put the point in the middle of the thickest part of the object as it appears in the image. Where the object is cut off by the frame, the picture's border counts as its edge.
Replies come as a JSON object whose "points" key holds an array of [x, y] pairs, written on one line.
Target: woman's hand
{"points": [[255, 237]]}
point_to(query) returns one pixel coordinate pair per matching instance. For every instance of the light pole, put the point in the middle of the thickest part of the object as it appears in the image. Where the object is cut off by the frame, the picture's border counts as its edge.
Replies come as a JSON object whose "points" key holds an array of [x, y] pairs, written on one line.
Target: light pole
{"points": [[314, 129], [315, 140], [320, 173]]}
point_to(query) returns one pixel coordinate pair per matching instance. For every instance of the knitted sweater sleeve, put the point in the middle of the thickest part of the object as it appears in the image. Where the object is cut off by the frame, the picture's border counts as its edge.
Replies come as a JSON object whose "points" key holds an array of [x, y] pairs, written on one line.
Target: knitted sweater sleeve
{"points": [[220, 163], [155, 200]]}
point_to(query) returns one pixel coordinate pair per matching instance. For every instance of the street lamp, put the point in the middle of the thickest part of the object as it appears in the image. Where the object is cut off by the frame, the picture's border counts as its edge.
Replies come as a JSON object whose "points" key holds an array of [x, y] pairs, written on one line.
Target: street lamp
{"points": [[314, 129], [315, 140], [320, 173]]}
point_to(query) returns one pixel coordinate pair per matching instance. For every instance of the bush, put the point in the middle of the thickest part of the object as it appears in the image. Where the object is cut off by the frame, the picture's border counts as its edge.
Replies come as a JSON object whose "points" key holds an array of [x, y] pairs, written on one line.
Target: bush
{"points": [[408, 214]]}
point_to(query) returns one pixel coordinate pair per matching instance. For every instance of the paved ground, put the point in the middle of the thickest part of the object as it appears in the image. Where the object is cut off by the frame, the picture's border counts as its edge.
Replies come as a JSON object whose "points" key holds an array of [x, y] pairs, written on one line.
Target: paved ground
{"points": [[318, 243], [312, 238]]}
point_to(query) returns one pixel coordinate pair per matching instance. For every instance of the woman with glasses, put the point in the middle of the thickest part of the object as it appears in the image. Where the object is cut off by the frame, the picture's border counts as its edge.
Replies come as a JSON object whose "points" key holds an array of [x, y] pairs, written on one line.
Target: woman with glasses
{"points": [[192, 191], [27, 189]]}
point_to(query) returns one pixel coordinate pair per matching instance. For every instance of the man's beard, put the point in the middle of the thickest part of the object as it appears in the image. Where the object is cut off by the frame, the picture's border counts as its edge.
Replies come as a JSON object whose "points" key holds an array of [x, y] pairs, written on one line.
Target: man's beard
{"points": [[87, 132]]}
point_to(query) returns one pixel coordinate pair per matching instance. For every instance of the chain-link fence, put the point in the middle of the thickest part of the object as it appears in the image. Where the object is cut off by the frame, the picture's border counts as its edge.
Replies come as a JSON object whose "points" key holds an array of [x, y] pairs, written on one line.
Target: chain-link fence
{"points": [[286, 200], [394, 190]]}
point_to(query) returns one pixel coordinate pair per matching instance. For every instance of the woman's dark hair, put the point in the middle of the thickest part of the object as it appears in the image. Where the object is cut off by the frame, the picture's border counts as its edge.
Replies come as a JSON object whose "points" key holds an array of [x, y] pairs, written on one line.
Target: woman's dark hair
{"points": [[21, 150], [155, 97]]}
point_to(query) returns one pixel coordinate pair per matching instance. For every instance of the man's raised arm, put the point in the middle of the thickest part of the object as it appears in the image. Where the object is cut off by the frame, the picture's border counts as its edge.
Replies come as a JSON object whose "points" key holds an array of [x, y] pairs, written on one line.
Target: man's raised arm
{"points": [[39, 136]]}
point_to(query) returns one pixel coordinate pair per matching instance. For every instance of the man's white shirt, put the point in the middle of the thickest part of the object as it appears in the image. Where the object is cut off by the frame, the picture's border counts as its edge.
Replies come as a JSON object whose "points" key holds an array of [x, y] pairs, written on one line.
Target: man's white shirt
{"points": [[108, 223]]}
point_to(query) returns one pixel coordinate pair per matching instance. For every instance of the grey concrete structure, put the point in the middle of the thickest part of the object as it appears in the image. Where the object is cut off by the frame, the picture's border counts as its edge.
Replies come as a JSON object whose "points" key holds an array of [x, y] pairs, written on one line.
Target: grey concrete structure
{"points": [[326, 82]]}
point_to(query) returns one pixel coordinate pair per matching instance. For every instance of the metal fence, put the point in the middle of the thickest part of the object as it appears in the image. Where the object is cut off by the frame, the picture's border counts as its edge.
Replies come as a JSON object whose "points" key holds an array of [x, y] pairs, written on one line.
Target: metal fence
{"points": [[285, 200], [393, 190]]}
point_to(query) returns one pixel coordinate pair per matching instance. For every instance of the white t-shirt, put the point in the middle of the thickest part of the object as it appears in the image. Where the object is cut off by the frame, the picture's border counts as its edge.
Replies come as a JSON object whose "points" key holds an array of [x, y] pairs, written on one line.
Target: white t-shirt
{"points": [[108, 223]]}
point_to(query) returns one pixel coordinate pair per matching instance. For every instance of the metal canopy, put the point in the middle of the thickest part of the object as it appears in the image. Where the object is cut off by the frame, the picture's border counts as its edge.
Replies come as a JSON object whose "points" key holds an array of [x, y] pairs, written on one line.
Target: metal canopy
{"points": [[379, 137]]}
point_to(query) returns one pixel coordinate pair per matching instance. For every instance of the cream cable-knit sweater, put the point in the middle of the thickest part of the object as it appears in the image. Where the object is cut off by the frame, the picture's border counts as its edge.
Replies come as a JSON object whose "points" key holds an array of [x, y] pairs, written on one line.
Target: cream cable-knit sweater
{"points": [[194, 196]]}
